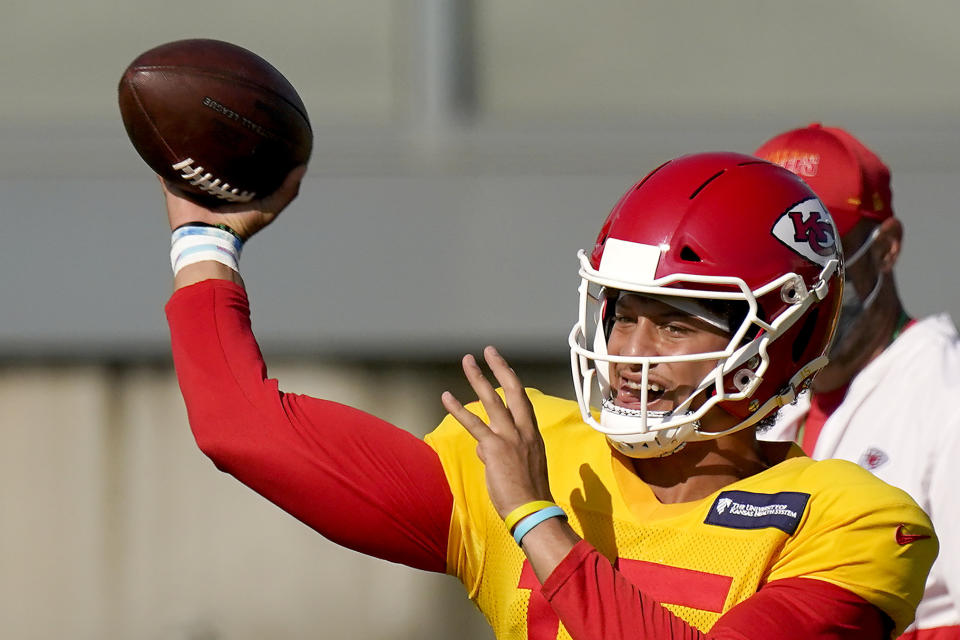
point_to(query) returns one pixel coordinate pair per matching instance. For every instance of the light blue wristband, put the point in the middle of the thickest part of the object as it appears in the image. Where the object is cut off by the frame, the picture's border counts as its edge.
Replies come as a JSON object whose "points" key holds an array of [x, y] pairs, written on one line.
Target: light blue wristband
{"points": [[535, 518]]}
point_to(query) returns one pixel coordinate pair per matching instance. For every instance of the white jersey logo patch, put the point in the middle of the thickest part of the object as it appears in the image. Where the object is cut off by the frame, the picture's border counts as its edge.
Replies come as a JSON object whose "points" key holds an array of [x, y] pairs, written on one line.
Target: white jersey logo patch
{"points": [[873, 458]]}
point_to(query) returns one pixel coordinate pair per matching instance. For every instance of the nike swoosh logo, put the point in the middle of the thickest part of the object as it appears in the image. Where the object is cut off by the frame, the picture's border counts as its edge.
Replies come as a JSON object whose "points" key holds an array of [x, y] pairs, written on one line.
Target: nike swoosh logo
{"points": [[907, 538]]}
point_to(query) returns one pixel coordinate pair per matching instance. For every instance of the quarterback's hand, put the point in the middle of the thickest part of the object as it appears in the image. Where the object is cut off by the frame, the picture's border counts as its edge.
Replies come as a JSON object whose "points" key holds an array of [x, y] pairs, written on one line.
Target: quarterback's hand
{"points": [[246, 218], [510, 446]]}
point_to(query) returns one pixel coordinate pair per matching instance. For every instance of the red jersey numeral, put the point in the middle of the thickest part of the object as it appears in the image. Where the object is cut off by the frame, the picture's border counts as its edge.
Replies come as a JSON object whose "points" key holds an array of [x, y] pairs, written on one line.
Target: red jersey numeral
{"points": [[663, 583], [673, 585]]}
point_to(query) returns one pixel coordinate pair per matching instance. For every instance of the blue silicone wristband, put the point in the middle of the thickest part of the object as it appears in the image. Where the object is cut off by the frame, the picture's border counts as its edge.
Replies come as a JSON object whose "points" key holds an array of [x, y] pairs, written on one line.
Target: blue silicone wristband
{"points": [[535, 518]]}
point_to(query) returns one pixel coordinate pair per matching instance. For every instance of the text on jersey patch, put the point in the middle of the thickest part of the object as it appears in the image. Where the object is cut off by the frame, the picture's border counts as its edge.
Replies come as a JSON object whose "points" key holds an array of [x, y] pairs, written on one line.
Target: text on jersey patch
{"points": [[746, 510]]}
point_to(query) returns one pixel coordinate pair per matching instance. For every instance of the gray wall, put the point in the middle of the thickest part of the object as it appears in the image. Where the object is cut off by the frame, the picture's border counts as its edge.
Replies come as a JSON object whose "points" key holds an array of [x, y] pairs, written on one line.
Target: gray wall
{"points": [[432, 222]]}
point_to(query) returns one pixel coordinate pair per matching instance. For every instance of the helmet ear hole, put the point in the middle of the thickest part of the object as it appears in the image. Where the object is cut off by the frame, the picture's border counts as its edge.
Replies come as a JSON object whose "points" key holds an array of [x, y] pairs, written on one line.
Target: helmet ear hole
{"points": [[743, 378], [806, 332]]}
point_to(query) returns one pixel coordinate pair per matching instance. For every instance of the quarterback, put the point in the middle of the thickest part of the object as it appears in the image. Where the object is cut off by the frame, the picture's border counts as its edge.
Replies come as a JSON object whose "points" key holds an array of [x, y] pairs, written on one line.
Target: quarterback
{"points": [[880, 355], [647, 508]]}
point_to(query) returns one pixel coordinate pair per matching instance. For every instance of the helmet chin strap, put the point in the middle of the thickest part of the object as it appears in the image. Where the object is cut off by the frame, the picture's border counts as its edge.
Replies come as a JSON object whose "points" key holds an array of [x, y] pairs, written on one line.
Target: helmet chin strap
{"points": [[655, 443], [654, 418]]}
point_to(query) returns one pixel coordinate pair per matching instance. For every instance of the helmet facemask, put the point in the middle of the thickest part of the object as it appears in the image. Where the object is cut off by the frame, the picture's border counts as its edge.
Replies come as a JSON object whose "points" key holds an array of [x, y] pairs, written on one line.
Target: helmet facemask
{"points": [[726, 303]]}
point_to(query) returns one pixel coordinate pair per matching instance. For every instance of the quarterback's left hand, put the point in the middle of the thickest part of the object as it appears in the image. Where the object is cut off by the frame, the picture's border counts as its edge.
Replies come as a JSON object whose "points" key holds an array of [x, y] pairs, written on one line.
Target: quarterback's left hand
{"points": [[510, 446]]}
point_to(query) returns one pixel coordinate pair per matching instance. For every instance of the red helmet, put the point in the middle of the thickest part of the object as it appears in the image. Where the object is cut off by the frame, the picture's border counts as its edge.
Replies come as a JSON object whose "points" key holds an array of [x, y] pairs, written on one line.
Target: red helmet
{"points": [[740, 242]]}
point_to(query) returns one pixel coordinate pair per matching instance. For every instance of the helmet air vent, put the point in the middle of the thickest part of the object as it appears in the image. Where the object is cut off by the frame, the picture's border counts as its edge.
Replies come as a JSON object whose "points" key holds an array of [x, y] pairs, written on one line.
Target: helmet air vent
{"points": [[689, 255], [649, 175], [708, 181]]}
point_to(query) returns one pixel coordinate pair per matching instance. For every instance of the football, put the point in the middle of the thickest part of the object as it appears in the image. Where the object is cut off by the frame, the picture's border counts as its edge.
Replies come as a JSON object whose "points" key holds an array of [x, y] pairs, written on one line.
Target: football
{"points": [[217, 121]]}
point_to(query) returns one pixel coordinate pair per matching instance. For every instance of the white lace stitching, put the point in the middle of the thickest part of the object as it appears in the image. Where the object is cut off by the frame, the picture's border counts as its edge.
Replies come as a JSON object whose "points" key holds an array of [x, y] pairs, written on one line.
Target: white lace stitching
{"points": [[211, 185]]}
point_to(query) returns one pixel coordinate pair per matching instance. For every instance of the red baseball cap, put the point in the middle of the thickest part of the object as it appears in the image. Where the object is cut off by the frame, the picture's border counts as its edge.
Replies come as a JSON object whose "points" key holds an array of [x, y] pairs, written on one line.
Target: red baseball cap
{"points": [[851, 180]]}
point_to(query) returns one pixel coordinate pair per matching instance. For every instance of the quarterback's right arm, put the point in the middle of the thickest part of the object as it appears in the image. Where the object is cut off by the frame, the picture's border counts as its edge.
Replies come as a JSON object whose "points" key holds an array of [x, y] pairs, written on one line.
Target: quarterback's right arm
{"points": [[358, 480]]}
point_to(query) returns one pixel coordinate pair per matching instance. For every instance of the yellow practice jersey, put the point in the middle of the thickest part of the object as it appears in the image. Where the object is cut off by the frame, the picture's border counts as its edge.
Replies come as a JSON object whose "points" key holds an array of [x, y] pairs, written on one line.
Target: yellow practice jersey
{"points": [[828, 520]]}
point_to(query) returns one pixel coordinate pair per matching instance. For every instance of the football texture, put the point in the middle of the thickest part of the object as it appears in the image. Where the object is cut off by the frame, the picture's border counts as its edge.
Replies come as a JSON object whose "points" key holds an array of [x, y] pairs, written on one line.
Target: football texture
{"points": [[217, 121]]}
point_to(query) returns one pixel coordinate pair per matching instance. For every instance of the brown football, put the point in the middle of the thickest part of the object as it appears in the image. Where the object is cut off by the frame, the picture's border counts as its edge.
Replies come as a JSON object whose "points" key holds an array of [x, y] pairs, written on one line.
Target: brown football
{"points": [[216, 120]]}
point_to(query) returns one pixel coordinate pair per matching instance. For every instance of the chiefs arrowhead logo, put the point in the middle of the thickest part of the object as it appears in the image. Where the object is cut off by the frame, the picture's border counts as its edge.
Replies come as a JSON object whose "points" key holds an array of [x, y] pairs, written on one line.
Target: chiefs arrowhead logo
{"points": [[873, 458], [808, 229], [906, 538]]}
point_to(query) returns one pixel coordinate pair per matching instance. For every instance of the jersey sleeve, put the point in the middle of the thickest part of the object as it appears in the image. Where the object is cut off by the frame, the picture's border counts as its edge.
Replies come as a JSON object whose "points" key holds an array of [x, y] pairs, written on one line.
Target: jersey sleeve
{"points": [[866, 537], [595, 601], [359, 481]]}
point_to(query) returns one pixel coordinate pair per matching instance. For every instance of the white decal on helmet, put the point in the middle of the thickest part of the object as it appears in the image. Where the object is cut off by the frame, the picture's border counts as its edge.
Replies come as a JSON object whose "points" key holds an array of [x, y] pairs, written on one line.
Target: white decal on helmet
{"points": [[629, 261], [808, 229]]}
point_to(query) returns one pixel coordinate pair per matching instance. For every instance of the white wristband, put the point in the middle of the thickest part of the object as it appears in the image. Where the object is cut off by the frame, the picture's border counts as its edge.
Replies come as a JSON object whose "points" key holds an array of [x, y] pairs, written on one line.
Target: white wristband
{"points": [[192, 244]]}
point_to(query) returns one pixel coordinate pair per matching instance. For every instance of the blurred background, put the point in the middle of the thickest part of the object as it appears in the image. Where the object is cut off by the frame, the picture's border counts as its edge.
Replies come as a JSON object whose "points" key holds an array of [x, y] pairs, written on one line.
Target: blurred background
{"points": [[464, 150]]}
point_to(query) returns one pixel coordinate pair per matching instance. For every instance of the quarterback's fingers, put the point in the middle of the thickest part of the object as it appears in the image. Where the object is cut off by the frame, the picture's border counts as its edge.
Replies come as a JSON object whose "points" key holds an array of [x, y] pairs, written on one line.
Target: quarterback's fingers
{"points": [[492, 403], [471, 422], [517, 401]]}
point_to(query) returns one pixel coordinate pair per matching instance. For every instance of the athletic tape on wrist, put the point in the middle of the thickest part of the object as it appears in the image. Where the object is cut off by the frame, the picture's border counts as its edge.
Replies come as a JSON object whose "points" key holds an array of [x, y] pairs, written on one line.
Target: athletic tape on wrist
{"points": [[190, 244], [536, 518], [523, 511]]}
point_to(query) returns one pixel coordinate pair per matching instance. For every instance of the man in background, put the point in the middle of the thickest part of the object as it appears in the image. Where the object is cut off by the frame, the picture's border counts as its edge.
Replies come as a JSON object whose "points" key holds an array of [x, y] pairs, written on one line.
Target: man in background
{"points": [[888, 398]]}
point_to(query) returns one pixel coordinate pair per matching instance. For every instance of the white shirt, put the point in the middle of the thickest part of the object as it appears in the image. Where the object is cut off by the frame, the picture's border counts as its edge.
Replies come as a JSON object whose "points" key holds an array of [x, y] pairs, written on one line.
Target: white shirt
{"points": [[900, 419]]}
